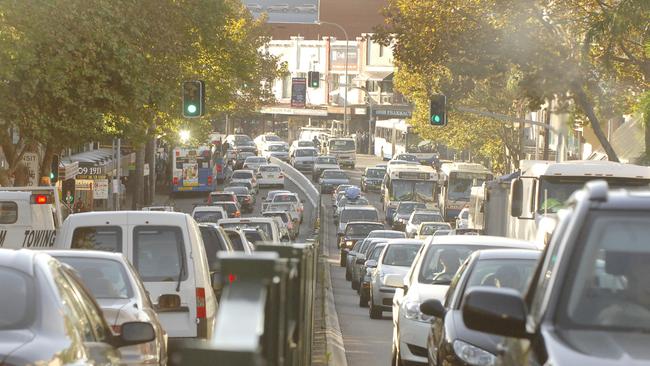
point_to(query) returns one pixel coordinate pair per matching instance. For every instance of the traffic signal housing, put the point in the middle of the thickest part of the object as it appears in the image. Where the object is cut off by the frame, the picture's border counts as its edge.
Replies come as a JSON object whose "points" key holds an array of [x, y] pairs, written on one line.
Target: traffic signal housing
{"points": [[193, 98], [313, 79], [54, 169], [438, 110]]}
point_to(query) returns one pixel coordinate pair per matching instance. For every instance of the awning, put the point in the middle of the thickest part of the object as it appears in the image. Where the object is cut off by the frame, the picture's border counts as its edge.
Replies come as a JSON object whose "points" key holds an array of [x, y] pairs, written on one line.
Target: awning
{"points": [[385, 75]]}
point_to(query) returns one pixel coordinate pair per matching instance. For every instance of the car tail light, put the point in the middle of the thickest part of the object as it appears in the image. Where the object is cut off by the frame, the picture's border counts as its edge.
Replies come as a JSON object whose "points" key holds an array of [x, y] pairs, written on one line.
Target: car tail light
{"points": [[237, 214], [40, 199], [281, 175], [219, 168], [200, 303], [175, 181], [209, 179], [117, 329], [232, 278]]}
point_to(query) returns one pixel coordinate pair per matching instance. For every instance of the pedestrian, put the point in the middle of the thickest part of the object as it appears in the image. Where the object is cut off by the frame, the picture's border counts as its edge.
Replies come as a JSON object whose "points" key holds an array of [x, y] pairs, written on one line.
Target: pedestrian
{"points": [[225, 146]]}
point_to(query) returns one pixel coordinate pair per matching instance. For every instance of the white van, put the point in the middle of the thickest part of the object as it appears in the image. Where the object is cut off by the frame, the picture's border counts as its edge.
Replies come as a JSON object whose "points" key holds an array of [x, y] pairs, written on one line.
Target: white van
{"points": [[29, 217], [166, 248]]}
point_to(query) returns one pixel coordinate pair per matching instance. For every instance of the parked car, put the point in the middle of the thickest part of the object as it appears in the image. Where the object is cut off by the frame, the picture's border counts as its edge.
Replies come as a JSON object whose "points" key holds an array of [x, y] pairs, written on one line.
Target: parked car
{"points": [[117, 288], [428, 228], [47, 314], [449, 339], [255, 8], [303, 158], [323, 163], [332, 178], [403, 213], [418, 216], [270, 175], [158, 244], [372, 178], [209, 213], [395, 259], [244, 197], [354, 231], [254, 162], [429, 278]]}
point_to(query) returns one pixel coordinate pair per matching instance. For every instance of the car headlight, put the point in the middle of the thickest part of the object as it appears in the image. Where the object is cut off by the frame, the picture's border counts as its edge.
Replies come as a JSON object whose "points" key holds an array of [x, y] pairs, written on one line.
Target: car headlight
{"points": [[349, 243], [412, 311], [473, 355]]}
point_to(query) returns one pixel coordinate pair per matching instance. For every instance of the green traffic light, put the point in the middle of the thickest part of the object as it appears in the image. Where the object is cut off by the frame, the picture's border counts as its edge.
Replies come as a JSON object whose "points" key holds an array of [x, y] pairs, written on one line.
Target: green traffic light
{"points": [[436, 118], [191, 108], [51, 175]]}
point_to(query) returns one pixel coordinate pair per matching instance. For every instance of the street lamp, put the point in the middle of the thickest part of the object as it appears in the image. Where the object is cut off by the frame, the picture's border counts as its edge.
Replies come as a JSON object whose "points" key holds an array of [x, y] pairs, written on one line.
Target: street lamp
{"points": [[345, 93]]}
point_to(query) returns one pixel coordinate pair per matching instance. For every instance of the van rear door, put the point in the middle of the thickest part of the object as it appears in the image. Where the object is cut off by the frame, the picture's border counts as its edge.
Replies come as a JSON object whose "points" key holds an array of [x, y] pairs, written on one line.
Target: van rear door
{"points": [[161, 254]]}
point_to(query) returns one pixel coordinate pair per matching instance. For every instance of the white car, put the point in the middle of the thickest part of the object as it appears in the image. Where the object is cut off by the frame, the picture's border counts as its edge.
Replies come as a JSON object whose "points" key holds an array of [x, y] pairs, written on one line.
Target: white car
{"points": [[287, 207], [121, 296], [299, 143], [395, 260], [254, 162], [323, 162], [303, 158], [279, 150], [209, 213], [420, 216], [290, 198], [270, 175], [158, 208], [429, 228], [245, 175], [429, 278], [267, 224], [462, 220], [270, 195], [262, 140]]}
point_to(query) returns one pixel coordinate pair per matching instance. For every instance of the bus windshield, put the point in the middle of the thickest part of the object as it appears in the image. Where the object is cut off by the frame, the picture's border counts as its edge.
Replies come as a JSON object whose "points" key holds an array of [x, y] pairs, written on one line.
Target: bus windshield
{"points": [[461, 183], [412, 190]]}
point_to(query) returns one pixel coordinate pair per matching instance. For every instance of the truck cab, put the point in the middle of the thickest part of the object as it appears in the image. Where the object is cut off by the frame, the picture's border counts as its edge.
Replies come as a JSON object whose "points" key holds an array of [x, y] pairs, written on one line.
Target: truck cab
{"points": [[29, 217], [344, 149]]}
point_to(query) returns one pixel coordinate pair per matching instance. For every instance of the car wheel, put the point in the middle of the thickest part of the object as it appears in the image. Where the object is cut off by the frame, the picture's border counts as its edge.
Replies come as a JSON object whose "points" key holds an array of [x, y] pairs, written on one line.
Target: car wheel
{"points": [[355, 285], [375, 312], [363, 300]]}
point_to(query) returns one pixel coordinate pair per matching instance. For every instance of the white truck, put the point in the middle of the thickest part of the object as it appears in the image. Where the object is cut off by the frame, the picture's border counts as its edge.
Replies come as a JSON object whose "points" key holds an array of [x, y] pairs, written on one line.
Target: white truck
{"points": [[29, 217], [344, 149], [527, 209]]}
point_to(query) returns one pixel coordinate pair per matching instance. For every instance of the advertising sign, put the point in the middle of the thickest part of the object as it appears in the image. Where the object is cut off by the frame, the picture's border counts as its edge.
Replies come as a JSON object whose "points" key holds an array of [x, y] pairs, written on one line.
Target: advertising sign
{"points": [[191, 174], [337, 58], [298, 92], [100, 189], [30, 160], [285, 11]]}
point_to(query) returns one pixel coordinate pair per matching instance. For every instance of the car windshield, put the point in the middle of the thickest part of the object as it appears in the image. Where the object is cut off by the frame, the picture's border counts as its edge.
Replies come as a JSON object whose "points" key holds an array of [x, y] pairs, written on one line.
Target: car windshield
{"points": [[608, 287], [341, 145], [400, 255], [303, 143], [220, 197], [238, 190], [285, 198], [278, 148], [242, 175], [406, 157], [361, 229], [361, 201], [107, 238], [429, 229], [375, 173], [387, 234], [422, 217], [270, 168], [305, 152], [105, 278], [246, 184], [272, 138], [240, 139], [230, 207], [326, 160], [441, 262], [334, 174], [18, 300], [403, 190], [408, 207], [208, 216], [348, 215], [272, 194], [509, 273], [280, 207]]}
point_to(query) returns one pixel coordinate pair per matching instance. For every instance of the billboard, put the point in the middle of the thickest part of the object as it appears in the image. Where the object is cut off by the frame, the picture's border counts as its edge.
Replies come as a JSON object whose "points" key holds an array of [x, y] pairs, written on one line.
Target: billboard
{"points": [[298, 92], [337, 57], [285, 11]]}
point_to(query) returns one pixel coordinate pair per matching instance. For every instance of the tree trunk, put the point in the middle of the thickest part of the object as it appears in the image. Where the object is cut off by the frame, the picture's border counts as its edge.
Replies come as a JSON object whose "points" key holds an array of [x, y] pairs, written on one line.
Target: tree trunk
{"points": [[138, 192], [151, 160], [581, 99], [646, 130], [547, 133], [46, 163]]}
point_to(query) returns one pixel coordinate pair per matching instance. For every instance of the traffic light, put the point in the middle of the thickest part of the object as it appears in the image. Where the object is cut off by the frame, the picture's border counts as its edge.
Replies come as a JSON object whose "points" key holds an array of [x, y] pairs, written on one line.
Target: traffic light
{"points": [[54, 169], [438, 110], [313, 79], [193, 98], [68, 190]]}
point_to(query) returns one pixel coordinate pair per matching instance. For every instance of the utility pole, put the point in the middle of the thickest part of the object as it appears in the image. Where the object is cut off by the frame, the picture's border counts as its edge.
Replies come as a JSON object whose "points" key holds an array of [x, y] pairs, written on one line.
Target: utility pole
{"points": [[346, 127]]}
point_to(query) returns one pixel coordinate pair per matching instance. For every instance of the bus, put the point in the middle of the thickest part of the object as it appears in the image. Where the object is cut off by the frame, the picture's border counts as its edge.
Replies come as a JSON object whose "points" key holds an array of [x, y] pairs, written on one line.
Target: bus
{"points": [[395, 136], [458, 180], [408, 183], [192, 169]]}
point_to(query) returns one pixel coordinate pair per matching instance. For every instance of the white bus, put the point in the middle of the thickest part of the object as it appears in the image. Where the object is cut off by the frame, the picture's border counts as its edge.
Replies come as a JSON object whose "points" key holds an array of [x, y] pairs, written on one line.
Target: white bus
{"points": [[395, 136], [408, 183], [458, 180]]}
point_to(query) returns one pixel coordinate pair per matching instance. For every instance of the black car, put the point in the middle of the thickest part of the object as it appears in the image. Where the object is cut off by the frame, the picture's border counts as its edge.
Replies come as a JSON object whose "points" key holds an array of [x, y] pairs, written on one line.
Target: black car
{"points": [[245, 199], [450, 342], [48, 317], [371, 179], [403, 213], [354, 231]]}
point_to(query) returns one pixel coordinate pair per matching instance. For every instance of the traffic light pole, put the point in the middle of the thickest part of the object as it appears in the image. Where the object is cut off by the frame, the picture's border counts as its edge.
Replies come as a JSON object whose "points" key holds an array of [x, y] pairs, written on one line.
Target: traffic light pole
{"points": [[562, 143]]}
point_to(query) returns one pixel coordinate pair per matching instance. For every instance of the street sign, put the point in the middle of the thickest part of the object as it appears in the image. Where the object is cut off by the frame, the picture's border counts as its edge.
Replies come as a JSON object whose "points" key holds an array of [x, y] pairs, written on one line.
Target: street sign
{"points": [[30, 161], [286, 11], [298, 92], [392, 111]]}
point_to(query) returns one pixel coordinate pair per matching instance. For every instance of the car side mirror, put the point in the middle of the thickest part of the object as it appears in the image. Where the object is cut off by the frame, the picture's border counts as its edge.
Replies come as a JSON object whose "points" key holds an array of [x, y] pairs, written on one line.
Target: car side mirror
{"points": [[360, 259], [433, 307], [393, 280], [133, 333], [500, 311], [371, 263]]}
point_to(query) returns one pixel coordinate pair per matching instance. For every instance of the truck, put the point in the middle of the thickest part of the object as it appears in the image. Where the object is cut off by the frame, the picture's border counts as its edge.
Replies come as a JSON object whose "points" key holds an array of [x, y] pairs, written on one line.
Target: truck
{"points": [[29, 217], [344, 149], [541, 188]]}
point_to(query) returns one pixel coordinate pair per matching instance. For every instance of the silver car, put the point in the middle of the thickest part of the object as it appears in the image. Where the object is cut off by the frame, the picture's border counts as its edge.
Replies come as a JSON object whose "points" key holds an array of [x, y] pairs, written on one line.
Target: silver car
{"points": [[122, 297], [396, 258]]}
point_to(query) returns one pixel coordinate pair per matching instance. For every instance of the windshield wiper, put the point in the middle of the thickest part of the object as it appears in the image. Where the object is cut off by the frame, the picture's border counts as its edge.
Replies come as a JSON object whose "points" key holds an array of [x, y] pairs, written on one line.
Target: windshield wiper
{"points": [[180, 273]]}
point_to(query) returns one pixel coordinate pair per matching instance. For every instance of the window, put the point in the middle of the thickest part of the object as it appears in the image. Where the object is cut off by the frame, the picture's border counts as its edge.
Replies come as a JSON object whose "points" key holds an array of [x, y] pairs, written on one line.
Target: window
{"points": [[235, 239], [509, 273], [441, 262], [70, 303], [88, 305], [106, 279], [361, 229], [8, 213], [400, 255], [159, 253], [208, 216], [286, 87], [381, 51], [17, 301], [106, 238]]}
